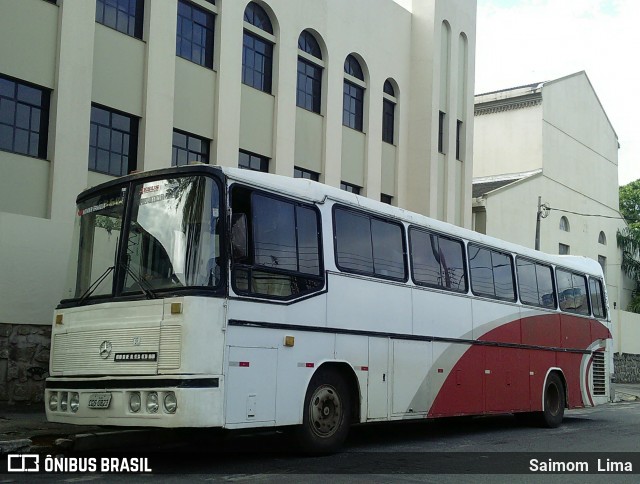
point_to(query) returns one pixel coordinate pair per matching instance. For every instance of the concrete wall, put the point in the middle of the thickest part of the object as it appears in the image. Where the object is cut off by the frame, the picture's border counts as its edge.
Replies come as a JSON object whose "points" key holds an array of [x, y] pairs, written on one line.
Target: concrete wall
{"points": [[509, 142], [24, 362], [442, 80], [578, 139], [628, 331], [626, 368]]}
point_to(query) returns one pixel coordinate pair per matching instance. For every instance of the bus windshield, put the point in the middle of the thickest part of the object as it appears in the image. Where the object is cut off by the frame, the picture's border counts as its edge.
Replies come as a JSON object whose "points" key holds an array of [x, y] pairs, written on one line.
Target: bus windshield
{"points": [[171, 238]]}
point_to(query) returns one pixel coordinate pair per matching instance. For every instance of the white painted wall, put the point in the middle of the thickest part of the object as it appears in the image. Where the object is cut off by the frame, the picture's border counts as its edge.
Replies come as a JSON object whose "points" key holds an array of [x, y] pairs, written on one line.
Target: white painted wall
{"points": [[508, 142]]}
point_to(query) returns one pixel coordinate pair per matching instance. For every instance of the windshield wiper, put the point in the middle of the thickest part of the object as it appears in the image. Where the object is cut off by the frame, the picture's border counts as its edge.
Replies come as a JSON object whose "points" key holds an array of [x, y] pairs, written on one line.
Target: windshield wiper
{"points": [[95, 285], [147, 291]]}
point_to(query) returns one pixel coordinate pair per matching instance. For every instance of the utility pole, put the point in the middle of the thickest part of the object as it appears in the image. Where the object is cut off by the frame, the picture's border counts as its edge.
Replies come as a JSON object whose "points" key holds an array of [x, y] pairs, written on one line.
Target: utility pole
{"points": [[543, 211], [538, 217]]}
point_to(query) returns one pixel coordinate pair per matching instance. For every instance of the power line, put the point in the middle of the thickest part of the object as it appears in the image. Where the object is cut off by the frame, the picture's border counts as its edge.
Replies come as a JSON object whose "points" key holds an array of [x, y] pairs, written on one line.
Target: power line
{"points": [[592, 215]]}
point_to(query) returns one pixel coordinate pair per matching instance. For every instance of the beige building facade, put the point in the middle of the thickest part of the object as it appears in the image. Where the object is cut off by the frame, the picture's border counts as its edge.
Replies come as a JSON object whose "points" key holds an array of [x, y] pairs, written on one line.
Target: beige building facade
{"points": [[553, 140], [374, 96]]}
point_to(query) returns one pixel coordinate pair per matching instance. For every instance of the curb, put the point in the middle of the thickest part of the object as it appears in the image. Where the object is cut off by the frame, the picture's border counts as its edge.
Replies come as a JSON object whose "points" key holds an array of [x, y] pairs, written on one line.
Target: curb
{"points": [[109, 440]]}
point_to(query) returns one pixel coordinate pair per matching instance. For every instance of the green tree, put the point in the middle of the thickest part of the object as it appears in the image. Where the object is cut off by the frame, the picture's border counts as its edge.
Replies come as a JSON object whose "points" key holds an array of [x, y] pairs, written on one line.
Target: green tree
{"points": [[630, 203], [629, 238]]}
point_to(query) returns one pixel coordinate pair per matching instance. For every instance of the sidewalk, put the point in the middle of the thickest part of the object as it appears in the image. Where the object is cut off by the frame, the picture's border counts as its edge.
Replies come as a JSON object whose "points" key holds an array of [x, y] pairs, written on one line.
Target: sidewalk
{"points": [[626, 392], [25, 429]]}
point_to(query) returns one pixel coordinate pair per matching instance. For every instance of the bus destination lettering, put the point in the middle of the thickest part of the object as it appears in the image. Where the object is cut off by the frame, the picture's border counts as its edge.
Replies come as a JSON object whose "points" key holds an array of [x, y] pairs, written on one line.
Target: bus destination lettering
{"points": [[135, 357]]}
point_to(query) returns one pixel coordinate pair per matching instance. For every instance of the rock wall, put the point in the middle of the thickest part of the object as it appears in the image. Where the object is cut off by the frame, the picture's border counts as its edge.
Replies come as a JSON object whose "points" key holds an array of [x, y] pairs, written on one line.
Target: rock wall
{"points": [[626, 368], [24, 362]]}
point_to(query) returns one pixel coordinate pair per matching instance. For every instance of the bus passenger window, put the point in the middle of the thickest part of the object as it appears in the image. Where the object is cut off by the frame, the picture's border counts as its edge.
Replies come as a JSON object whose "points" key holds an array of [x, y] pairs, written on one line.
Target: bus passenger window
{"points": [[388, 256], [437, 261], [276, 250], [353, 242], [572, 292], [535, 284], [597, 299], [491, 273], [368, 245]]}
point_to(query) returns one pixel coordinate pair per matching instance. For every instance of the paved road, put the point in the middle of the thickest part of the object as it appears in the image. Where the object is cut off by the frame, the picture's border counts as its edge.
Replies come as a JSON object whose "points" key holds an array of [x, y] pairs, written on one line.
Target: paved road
{"points": [[445, 450]]}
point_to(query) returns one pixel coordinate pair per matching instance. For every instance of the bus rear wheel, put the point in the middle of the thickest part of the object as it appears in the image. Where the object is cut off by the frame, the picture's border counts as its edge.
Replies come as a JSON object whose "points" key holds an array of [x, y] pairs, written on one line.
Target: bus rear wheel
{"points": [[327, 413], [554, 402]]}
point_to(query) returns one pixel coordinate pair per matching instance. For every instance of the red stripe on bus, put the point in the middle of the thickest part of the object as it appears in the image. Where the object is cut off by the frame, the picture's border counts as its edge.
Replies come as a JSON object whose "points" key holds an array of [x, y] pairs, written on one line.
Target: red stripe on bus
{"points": [[516, 380], [244, 363], [309, 365]]}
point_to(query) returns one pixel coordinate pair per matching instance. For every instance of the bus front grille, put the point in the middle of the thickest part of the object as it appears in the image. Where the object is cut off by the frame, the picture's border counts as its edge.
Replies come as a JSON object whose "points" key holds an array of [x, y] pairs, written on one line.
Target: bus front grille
{"points": [[94, 352], [170, 347]]}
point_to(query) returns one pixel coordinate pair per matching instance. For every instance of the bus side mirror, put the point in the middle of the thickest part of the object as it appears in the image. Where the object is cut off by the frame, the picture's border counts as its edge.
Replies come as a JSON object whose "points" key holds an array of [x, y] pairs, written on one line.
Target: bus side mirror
{"points": [[239, 236]]}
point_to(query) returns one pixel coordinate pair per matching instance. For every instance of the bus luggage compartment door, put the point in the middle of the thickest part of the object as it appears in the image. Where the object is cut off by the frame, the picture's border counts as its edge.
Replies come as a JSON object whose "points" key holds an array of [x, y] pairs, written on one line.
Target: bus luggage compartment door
{"points": [[251, 385], [377, 388]]}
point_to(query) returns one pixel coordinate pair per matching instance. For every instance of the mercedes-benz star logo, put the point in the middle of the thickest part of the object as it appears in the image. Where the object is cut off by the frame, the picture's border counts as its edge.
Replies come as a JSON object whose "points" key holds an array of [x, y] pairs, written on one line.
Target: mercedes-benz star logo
{"points": [[105, 349]]}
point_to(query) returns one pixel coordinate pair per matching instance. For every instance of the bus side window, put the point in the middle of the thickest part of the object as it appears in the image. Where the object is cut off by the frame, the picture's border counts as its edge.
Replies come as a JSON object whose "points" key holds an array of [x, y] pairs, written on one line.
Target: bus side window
{"points": [[275, 246], [369, 245], [572, 292], [491, 273], [239, 237], [535, 284], [437, 261], [597, 299]]}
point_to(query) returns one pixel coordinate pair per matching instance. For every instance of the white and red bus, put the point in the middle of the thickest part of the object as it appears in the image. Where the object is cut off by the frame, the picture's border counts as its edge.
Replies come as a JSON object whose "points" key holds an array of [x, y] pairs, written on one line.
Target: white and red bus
{"points": [[202, 296]]}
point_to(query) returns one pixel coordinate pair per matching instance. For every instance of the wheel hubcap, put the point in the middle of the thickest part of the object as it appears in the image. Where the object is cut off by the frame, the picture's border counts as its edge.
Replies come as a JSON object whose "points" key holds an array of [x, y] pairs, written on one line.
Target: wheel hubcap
{"points": [[325, 411]]}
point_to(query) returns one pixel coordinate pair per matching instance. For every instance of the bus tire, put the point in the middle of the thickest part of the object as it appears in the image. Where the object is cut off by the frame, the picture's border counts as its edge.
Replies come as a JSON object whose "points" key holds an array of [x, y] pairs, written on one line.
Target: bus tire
{"points": [[326, 413], [554, 402]]}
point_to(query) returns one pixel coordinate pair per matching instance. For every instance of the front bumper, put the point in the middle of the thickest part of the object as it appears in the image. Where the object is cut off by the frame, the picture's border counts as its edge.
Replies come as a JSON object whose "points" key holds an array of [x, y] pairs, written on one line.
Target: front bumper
{"points": [[199, 401]]}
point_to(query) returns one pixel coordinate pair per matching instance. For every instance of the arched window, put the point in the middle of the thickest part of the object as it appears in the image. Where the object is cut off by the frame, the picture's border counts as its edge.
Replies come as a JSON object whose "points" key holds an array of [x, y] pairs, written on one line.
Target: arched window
{"points": [[353, 67], [255, 15], [602, 239], [257, 49], [388, 112], [353, 94], [309, 93], [564, 224]]}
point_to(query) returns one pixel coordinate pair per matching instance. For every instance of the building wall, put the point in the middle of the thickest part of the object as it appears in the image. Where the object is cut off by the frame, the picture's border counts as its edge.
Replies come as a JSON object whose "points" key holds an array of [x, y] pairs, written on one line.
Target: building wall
{"points": [[59, 46], [499, 146], [441, 80], [578, 139]]}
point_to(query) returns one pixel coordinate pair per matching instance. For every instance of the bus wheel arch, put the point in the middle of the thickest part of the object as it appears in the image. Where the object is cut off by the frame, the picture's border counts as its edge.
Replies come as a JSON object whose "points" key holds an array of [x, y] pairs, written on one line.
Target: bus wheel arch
{"points": [[554, 399], [331, 404]]}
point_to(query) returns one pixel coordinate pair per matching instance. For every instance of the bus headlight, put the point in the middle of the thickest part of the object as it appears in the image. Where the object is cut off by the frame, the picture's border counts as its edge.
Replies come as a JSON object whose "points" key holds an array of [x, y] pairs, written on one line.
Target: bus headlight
{"points": [[64, 400], [152, 402], [170, 402], [74, 402], [53, 402], [135, 402]]}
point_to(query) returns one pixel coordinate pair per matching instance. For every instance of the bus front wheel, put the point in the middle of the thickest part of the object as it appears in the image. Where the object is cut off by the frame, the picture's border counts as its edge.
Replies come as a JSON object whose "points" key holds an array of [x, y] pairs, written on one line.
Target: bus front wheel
{"points": [[554, 402], [327, 413]]}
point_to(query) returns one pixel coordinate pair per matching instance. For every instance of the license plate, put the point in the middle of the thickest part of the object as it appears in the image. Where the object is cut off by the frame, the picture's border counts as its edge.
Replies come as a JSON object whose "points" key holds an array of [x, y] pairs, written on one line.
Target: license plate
{"points": [[99, 400]]}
